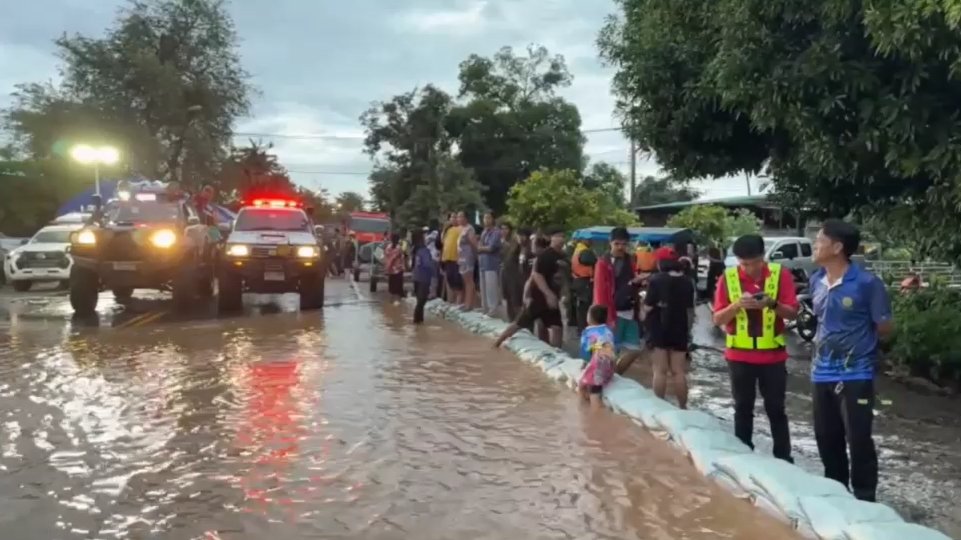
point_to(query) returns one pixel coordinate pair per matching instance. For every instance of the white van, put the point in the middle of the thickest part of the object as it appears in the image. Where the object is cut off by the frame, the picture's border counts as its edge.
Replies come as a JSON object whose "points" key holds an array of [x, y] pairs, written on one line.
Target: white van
{"points": [[790, 251]]}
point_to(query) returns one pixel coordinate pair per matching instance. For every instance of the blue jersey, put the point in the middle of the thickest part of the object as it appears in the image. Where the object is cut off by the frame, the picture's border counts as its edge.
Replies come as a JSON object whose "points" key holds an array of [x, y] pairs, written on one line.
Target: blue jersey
{"points": [[846, 344], [593, 337]]}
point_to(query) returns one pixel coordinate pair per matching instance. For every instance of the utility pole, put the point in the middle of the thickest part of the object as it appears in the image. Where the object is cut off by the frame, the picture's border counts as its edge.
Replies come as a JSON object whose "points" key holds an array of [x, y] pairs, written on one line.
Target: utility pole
{"points": [[747, 177], [633, 171]]}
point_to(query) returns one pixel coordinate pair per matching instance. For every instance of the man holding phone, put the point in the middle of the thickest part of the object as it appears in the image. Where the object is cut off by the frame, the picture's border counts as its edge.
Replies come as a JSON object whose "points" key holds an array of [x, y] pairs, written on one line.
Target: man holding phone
{"points": [[751, 302]]}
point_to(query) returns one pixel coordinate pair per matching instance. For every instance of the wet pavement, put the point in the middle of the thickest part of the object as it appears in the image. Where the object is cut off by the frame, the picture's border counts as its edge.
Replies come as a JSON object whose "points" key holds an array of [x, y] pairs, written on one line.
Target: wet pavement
{"points": [[341, 423], [918, 435]]}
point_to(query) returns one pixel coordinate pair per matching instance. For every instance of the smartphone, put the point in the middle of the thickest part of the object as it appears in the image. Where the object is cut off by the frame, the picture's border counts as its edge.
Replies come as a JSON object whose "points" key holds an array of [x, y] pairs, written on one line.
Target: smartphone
{"points": [[759, 296]]}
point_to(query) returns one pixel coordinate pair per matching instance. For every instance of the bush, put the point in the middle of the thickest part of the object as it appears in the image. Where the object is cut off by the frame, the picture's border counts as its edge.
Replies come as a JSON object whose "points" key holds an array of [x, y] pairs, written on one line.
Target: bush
{"points": [[927, 339]]}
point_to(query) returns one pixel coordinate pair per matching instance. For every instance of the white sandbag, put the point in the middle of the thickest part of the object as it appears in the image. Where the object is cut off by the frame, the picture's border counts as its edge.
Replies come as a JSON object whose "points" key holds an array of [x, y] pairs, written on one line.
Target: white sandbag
{"points": [[676, 421], [622, 391], [573, 368], [697, 439], [827, 517], [892, 531], [645, 409], [784, 485], [740, 467]]}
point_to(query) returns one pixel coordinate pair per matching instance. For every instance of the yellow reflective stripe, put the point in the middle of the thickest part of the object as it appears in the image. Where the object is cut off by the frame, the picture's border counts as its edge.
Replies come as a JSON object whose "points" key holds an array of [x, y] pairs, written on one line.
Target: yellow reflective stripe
{"points": [[742, 339]]}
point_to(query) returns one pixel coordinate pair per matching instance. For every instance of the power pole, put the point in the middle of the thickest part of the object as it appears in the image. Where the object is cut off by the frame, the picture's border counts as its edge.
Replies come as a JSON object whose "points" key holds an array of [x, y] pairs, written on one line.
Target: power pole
{"points": [[633, 171]]}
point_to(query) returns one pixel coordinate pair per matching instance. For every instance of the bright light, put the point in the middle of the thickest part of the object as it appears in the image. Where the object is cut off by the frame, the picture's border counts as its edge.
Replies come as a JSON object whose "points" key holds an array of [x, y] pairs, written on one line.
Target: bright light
{"points": [[86, 154], [146, 196], [307, 252], [276, 203], [86, 238], [163, 238], [123, 195], [238, 250]]}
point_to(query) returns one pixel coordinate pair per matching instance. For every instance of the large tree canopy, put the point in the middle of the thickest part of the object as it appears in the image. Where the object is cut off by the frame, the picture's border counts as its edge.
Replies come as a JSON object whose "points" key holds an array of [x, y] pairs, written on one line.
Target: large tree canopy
{"points": [[846, 103], [164, 85], [512, 123], [560, 199], [652, 190]]}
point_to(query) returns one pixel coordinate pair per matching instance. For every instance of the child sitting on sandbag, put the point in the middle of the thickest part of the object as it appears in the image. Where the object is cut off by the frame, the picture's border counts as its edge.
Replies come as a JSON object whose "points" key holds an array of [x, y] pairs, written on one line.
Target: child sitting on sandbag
{"points": [[597, 348]]}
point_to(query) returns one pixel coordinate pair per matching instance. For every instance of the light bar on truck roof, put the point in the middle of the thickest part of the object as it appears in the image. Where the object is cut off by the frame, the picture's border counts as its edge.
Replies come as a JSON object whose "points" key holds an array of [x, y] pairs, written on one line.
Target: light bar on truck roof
{"points": [[275, 203], [145, 196]]}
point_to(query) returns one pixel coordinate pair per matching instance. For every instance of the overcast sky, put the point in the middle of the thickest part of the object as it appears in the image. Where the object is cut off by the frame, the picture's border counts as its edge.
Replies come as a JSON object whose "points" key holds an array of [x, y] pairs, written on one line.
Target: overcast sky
{"points": [[318, 65]]}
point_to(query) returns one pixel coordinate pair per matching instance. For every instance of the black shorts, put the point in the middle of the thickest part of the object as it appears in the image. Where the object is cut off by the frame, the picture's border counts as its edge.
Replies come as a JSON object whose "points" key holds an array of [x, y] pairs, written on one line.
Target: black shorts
{"points": [[669, 340], [454, 279], [595, 389], [395, 284], [551, 318]]}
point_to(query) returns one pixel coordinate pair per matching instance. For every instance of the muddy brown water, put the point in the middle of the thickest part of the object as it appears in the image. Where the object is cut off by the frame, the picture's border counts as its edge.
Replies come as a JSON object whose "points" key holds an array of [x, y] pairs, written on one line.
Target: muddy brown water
{"points": [[346, 424]]}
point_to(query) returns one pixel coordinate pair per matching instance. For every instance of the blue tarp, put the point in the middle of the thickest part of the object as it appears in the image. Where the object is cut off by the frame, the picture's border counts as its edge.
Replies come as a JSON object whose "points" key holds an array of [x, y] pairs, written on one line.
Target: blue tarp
{"points": [[108, 189], [651, 235]]}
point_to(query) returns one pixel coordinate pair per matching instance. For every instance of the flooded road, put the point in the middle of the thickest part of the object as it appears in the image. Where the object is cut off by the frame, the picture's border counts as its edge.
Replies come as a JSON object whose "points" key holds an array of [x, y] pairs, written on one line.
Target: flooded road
{"points": [[346, 423]]}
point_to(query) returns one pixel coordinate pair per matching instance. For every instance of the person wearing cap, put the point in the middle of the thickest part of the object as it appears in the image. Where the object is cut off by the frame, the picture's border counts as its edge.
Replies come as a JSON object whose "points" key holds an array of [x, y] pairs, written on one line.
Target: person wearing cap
{"points": [[751, 302], [616, 285]]}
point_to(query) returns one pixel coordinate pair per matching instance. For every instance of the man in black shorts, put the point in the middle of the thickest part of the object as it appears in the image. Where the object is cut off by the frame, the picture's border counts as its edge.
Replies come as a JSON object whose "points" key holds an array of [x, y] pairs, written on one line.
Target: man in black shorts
{"points": [[542, 294], [668, 314]]}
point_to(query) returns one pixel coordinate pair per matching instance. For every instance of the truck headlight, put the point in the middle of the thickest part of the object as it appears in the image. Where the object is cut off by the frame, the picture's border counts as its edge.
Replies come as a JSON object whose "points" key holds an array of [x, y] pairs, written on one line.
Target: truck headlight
{"points": [[238, 250], [163, 238], [307, 252], [86, 238]]}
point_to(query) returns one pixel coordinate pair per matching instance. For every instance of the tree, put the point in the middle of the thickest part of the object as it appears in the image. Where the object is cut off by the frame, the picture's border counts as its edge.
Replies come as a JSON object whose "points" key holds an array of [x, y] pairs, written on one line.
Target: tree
{"points": [[609, 181], [350, 201], [164, 85], [559, 199], [252, 167], [714, 225], [512, 122], [415, 177], [652, 190], [850, 106]]}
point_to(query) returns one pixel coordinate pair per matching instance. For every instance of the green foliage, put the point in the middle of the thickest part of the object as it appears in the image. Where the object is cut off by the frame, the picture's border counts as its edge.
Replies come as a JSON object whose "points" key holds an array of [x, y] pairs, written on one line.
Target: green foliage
{"points": [[714, 224], [512, 123], [927, 339], [560, 199], [164, 85], [350, 201], [846, 104], [652, 190], [608, 181]]}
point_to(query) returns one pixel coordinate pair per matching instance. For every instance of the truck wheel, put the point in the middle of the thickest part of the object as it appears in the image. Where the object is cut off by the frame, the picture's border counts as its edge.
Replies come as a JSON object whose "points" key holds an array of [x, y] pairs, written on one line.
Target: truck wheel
{"points": [[373, 284], [205, 287], [84, 290], [123, 293], [22, 286], [63, 285], [357, 275], [230, 292], [311, 292], [185, 286]]}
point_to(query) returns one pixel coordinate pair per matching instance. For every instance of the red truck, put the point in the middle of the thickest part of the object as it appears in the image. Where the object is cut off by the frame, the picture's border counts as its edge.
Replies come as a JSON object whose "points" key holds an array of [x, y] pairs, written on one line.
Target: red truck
{"points": [[371, 231]]}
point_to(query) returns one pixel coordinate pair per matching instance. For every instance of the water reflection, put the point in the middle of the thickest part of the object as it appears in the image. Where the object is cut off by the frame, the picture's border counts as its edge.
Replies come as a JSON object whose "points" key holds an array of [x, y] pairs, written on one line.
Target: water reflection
{"points": [[343, 424]]}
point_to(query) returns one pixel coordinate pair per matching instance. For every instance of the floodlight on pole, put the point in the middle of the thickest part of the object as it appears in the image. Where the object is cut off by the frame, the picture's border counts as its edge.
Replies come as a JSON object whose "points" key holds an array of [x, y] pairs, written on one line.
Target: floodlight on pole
{"points": [[96, 156]]}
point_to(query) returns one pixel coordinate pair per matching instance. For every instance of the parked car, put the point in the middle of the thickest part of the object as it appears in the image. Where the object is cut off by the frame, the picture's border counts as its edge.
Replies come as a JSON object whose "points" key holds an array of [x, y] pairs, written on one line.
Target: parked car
{"points": [[43, 258], [791, 252]]}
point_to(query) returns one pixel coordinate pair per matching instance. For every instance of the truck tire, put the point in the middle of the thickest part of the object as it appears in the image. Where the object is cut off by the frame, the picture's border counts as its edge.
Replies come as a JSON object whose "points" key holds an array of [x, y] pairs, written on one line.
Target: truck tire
{"points": [[84, 290], [373, 284], [357, 275], [22, 285], [205, 287], [311, 292], [185, 286], [122, 294], [229, 292]]}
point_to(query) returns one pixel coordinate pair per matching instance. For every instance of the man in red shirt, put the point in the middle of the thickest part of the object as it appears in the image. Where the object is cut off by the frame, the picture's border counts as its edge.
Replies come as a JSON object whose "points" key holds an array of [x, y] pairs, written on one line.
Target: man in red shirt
{"points": [[751, 302]]}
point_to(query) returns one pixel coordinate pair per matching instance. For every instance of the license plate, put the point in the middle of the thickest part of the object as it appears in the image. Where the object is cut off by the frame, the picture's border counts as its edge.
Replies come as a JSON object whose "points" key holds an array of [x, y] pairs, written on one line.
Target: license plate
{"points": [[273, 276], [125, 266]]}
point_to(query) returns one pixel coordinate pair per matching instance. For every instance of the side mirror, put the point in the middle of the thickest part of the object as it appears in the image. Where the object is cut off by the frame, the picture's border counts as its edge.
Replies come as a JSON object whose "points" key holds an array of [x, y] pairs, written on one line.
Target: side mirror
{"points": [[225, 228], [25, 241], [777, 255], [193, 220]]}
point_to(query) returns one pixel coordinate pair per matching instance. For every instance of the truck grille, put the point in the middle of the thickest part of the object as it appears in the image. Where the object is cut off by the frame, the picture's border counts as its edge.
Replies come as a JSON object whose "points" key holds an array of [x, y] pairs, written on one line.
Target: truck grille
{"points": [[261, 251], [121, 247], [43, 259]]}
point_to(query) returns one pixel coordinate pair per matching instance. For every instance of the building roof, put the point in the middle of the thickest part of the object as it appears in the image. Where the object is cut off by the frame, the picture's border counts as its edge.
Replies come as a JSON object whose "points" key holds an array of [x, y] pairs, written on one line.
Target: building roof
{"points": [[744, 200]]}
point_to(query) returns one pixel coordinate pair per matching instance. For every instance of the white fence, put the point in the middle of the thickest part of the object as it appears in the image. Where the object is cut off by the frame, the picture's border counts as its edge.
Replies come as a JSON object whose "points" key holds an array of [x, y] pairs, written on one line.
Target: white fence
{"points": [[945, 273]]}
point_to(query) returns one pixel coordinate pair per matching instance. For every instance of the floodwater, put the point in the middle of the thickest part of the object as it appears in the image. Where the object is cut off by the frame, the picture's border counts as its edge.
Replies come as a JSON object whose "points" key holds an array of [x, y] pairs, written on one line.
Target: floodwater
{"points": [[346, 423]]}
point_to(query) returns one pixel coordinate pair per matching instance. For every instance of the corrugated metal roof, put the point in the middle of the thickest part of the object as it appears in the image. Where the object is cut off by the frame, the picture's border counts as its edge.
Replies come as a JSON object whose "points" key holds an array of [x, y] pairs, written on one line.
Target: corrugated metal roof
{"points": [[744, 200]]}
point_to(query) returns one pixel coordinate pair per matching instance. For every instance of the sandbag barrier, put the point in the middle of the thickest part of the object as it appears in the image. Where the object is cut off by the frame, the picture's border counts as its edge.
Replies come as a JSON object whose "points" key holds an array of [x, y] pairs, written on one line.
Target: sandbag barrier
{"points": [[816, 507]]}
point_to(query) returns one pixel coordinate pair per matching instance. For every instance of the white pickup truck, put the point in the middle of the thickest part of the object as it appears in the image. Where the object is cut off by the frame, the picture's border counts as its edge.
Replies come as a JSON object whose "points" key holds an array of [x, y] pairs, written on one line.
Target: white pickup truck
{"points": [[792, 252]]}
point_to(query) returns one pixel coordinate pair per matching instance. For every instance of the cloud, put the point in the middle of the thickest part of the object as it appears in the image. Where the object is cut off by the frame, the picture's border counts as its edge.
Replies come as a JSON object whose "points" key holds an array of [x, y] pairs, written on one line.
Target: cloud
{"points": [[468, 19]]}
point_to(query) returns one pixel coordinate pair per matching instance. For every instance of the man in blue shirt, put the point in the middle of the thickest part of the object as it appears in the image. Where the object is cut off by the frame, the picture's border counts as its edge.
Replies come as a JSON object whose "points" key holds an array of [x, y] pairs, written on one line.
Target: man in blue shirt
{"points": [[854, 312]]}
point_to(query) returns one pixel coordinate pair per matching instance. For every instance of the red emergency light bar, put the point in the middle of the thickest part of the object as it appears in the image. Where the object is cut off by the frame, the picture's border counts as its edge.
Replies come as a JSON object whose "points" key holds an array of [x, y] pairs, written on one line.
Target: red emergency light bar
{"points": [[275, 203]]}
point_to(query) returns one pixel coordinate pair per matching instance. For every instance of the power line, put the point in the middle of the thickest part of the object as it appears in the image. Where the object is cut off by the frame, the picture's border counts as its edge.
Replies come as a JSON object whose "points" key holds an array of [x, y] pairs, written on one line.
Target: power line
{"points": [[319, 136]]}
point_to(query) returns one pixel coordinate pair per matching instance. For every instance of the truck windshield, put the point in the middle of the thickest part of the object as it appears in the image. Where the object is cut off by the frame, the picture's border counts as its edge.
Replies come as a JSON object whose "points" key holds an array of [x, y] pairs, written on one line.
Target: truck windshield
{"points": [[142, 212], [369, 225], [266, 219], [45, 236]]}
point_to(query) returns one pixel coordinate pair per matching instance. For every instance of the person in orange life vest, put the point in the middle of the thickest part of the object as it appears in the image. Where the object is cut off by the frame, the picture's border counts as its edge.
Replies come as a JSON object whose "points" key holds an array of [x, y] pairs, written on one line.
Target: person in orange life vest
{"points": [[616, 285], [751, 302], [582, 274]]}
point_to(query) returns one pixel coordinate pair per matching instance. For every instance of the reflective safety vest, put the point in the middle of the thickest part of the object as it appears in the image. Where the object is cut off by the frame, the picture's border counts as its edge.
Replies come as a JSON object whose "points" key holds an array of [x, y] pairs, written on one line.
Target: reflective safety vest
{"points": [[578, 269], [742, 338], [646, 261]]}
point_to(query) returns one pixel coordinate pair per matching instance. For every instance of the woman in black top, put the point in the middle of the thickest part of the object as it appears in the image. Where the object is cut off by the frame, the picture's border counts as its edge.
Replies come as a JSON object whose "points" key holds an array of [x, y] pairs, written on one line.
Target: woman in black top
{"points": [[668, 315]]}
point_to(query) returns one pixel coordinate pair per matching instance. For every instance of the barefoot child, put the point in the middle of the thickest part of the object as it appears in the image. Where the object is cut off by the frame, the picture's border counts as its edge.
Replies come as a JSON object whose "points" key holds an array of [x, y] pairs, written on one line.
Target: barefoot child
{"points": [[597, 346]]}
